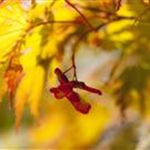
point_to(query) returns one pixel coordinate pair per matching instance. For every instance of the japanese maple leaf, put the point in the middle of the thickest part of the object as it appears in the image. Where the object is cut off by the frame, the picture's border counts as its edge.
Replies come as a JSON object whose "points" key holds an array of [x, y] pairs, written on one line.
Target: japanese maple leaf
{"points": [[65, 90], [12, 76]]}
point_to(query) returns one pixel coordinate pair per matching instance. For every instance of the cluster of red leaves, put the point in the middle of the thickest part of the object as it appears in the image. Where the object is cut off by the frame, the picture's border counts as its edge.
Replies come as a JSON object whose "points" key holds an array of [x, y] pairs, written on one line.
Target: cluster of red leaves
{"points": [[65, 90]]}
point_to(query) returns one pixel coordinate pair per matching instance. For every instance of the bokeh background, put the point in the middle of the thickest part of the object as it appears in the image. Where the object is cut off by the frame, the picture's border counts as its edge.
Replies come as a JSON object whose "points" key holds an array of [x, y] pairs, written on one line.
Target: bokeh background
{"points": [[110, 40]]}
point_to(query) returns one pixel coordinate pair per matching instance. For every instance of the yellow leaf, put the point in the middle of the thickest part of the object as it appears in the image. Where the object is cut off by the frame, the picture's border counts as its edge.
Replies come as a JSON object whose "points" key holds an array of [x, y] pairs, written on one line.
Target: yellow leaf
{"points": [[30, 91], [21, 97], [13, 23], [36, 91]]}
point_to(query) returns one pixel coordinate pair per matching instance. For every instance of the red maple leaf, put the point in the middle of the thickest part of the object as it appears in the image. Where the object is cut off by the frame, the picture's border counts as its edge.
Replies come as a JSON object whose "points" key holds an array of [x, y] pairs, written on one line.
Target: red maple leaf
{"points": [[65, 90]]}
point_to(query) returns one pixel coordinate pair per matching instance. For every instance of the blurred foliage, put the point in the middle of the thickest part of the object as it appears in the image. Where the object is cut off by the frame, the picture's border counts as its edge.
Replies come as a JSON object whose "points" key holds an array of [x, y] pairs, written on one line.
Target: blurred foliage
{"points": [[106, 41]]}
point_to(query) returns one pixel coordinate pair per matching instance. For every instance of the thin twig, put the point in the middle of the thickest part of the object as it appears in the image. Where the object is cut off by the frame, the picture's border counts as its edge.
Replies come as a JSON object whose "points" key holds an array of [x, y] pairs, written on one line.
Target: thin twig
{"points": [[119, 3], [82, 15], [141, 15]]}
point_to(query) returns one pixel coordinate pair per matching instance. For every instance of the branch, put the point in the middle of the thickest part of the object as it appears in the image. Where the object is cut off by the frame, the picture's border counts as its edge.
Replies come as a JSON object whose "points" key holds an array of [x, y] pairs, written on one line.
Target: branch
{"points": [[52, 22], [86, 33]]}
